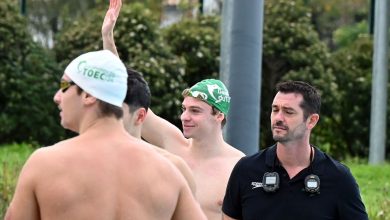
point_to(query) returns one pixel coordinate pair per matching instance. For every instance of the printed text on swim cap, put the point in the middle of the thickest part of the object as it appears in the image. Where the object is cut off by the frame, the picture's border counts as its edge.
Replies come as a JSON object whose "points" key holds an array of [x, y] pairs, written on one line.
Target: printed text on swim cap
{"points": [[94, 72], [223, 95]]}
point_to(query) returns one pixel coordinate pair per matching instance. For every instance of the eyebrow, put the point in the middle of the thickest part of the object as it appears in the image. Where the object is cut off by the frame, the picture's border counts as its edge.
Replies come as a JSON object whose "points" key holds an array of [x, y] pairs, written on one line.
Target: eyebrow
{"points": [[284, 107], [192, 107]]}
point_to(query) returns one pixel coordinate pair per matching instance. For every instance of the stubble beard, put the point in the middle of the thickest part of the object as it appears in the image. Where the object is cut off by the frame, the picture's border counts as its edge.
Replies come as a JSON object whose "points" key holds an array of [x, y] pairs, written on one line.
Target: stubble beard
{"points": [[295, 134]]}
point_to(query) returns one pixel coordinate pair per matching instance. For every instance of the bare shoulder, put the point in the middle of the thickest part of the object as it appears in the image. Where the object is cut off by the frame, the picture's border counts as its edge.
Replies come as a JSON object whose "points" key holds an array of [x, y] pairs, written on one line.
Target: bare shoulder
{"points": [[178, 161], [233, 152], [40, 157]]}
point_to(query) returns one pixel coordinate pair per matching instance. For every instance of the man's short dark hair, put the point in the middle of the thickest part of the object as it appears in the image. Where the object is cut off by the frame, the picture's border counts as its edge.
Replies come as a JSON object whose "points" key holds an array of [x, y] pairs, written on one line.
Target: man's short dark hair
{"points": [[311, 103], [138, 92], [106, 109]]}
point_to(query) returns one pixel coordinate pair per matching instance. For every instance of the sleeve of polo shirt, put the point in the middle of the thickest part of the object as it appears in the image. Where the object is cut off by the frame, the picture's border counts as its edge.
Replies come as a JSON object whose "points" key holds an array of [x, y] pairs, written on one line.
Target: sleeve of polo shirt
{"points": [[232, 202], [350, 204]]}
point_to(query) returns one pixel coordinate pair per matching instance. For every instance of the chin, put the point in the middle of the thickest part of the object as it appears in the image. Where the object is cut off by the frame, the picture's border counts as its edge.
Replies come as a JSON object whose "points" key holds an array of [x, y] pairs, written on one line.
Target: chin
{"points": [[68, 127], [186, 135]]}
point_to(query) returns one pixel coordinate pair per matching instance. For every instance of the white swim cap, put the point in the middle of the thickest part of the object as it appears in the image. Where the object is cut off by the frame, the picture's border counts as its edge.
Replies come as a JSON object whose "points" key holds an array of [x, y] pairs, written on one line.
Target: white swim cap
{"points": [[101, 74]]}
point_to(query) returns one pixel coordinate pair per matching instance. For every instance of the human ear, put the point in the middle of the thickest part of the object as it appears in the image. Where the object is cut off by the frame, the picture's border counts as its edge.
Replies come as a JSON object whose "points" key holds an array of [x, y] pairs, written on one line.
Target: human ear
{"points": [[140, 115], [312, 120], [88, 99]]}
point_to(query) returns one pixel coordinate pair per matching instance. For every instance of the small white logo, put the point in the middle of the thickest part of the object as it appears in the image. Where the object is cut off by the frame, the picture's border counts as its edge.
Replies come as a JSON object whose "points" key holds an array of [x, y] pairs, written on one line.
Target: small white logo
{"points": [[256, 185]]}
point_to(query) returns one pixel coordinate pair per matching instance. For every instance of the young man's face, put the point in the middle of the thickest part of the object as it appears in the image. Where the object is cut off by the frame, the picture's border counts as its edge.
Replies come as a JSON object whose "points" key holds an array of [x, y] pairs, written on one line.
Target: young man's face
{"points": [[287, 120], [69, 103], [197, 118]]}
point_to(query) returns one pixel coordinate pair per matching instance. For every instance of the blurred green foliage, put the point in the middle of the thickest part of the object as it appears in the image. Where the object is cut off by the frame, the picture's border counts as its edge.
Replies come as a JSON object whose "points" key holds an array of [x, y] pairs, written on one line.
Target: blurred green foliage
{"points": [[352, 66], [140, 46], [197, 41], [28, 81], [176, 57], [292, 50]]}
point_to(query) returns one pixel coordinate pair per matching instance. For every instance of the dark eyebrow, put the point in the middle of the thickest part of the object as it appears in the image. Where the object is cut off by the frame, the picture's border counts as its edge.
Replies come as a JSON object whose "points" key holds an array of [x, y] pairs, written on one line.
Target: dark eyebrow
{"points": [[289, 108], [284, 108]]}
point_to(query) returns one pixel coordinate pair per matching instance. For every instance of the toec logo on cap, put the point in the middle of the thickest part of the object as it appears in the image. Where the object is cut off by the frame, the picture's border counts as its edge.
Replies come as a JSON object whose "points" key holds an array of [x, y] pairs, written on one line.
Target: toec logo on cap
{"points": [[212, 91], [95, 72], [101, 74]]}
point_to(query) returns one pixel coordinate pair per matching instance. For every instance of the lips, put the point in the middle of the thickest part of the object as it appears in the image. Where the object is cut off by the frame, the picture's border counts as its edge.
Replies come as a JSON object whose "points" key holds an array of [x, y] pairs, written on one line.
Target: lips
{"points": [[279, 127], [187, 126]]}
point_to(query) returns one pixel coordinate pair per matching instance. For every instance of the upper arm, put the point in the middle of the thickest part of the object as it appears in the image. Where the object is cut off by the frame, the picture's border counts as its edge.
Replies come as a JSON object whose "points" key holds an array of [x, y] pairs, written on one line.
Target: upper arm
{"points": [[187, 207], [24, 204], [162, 133], [186, 172]]}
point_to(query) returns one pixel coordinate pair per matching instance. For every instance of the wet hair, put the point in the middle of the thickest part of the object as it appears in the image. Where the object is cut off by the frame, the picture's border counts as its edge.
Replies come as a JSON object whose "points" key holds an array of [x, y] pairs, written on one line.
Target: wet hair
{"points": [[138, 93], [105, 109], [311, 103]]}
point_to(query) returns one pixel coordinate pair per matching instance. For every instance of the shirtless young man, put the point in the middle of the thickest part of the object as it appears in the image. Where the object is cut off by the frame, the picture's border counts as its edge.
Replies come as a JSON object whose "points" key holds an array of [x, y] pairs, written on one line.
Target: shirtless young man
{"points": [[135, 109], [201, 144], [137, 101], [103, 173]]}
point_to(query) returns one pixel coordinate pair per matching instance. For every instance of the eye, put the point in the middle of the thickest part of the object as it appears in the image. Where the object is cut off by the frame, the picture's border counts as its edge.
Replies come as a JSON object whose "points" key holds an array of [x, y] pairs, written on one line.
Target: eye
{"points": [[195, 110], [64, 85], [289, 112]]}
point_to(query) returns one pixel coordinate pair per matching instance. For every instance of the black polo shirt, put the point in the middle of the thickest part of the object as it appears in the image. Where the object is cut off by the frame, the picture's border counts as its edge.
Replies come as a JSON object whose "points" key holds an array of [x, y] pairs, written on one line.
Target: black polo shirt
{"points": [[339, 196]]}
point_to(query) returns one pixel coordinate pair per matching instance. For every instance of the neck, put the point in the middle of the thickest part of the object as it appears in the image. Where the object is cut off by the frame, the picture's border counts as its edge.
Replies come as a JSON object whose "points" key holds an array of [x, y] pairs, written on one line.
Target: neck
{"points": [[135, 132], [103, 124], [294, 155], [207, 146]]}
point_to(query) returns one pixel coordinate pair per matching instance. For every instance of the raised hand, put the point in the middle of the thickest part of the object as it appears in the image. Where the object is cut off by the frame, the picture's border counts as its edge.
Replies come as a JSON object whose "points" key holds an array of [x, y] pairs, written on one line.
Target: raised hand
{"points": [[109, 24]]}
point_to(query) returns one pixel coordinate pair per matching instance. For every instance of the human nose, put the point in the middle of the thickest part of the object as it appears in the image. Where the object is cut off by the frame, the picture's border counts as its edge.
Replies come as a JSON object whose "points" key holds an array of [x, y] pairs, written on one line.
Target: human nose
{"points": [[277, 116], [184, 116], [57, 97]]}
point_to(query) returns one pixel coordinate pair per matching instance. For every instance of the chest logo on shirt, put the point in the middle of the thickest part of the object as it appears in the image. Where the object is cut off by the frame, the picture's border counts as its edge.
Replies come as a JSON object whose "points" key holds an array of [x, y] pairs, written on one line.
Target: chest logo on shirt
{"points": [[256, 185]]}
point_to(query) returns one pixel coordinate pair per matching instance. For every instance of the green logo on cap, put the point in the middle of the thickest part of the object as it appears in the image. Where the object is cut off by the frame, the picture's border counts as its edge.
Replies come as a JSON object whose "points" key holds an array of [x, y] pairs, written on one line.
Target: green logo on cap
{"points": [[212, 91], [94, 72]]}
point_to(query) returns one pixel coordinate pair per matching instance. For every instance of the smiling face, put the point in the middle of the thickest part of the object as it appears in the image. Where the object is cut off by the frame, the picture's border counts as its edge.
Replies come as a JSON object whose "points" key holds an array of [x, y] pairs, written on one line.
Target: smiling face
{"points": [[69, 103], [287, 118], [197, 118]]}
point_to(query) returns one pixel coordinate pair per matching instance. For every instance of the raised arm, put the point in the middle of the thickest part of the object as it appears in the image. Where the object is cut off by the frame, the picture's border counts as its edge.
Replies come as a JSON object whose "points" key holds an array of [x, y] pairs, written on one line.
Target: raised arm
{"points": [[109, 24], [155, 130], [162, 133]]}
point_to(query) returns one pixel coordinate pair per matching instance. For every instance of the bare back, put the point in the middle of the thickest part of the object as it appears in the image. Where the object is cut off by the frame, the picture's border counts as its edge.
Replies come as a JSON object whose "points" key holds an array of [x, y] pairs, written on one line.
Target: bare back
{"points": [[98, 178]]}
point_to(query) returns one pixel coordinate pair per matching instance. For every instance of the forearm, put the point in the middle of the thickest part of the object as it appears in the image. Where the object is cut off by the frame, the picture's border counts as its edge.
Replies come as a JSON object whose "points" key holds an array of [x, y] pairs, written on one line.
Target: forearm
{"points": [[109, 43]]}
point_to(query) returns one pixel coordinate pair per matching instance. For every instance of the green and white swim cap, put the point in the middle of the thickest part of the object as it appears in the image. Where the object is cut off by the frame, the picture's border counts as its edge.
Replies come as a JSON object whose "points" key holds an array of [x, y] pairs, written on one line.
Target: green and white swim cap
{"points": [[213, 92]]}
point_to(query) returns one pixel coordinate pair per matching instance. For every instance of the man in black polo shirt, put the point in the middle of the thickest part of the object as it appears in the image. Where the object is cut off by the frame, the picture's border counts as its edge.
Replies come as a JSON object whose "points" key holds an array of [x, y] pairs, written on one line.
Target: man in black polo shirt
{"points": [[292, 179]]}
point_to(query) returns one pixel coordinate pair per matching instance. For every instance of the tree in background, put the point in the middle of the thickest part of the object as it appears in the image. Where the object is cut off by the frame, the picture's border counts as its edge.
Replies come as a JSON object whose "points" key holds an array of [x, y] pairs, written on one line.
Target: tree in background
{"points": [[293, 50], [27, 83], [352, 66], [140, 46], [344, 36], [197, 41], [47, 17], [329, 15], [176, 57]]}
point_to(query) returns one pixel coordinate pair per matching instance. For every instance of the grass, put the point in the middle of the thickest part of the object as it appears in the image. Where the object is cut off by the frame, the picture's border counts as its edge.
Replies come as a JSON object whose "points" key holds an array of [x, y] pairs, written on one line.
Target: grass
{"points": [[374, 181], [12, 158], [374, 184]]}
